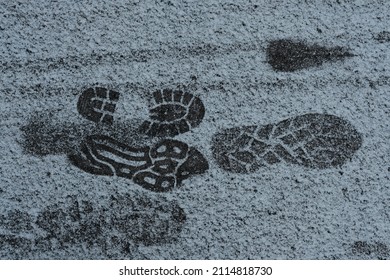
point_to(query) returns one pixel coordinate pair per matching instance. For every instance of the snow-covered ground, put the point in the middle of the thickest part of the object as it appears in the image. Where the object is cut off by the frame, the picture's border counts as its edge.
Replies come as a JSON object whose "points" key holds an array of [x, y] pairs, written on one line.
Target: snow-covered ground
{"points": [[50, 51]]}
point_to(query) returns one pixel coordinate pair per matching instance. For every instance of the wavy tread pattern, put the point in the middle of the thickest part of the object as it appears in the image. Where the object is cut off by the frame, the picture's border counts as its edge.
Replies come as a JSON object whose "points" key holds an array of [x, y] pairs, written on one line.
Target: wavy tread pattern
{"points": [[159, 168]]}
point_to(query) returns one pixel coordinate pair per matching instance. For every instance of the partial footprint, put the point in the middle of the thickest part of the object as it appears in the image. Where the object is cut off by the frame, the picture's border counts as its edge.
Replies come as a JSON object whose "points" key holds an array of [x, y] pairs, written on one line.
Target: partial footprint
{"points": [[146, 220], [174, 112], [127, 219], [98, 105], [159, 168], [311, 140], [49, 133], [113, 227], [288, 55]]}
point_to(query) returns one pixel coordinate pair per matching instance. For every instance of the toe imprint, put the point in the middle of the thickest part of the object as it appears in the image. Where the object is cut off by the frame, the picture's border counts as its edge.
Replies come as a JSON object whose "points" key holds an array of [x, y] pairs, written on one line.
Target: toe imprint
{"points": [[98, 105], [174, 112]]}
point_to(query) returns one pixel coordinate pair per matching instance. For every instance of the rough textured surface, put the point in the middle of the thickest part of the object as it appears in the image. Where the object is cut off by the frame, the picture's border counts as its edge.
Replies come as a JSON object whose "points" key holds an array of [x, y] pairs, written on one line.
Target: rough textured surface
{"points": [[52, 52]]}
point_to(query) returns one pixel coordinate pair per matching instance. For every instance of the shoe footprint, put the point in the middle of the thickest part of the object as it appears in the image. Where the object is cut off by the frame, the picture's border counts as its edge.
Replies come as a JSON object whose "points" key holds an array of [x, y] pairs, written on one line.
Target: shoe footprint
{"points": [[127, 219], [160, 167], [311, 140], [174, 112], [287, 55], [98, 105]]}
